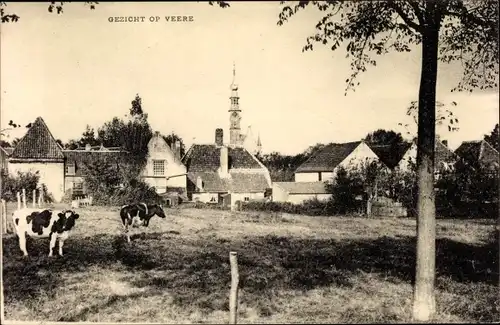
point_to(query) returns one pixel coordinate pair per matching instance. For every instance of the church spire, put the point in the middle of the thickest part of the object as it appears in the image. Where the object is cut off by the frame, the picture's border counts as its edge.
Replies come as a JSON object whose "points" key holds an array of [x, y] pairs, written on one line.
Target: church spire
{"points": [[234, 110]]}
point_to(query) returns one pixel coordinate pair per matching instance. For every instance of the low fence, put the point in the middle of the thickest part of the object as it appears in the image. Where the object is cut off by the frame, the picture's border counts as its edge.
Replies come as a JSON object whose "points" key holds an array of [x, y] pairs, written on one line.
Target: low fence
{"points": [[7, 226]]}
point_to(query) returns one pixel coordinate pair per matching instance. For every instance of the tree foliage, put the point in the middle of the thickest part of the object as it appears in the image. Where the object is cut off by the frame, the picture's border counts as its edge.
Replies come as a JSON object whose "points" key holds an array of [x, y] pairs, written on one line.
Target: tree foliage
{"points": [[169, 139], [53, 7], [132, 135], [384, 137], [373, 28], [494, 138]]}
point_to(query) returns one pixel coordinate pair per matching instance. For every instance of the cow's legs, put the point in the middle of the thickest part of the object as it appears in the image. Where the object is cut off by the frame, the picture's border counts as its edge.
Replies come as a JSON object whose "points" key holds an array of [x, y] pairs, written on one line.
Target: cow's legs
{"points": [[61, 244], [53, 239], [22, 242], [125, 225]]}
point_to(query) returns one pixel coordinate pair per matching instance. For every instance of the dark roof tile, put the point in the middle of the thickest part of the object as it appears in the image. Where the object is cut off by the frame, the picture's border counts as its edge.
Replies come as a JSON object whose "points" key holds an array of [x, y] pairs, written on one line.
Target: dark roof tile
{"points": [[38, 143], [329, 157]]}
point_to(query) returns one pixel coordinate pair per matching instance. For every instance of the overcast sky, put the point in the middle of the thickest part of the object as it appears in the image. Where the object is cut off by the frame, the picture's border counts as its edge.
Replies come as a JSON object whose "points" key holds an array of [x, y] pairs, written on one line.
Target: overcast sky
{"points": [[78, 68]]}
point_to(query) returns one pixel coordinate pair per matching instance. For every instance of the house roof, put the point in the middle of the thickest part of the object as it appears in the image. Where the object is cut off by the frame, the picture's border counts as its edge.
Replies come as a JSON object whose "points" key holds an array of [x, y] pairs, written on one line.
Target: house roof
{"points": [[80, 157], [38, 143], [303, 187], [246, 173], [443, 153], [329, 157], [474, 151], [238, 182], [390, 155], [206, 157]]}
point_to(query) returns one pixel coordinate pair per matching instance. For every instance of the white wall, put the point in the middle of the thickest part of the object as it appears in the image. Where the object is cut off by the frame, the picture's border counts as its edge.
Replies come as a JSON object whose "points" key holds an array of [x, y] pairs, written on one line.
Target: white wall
{"points": [[361, 155], [51, 174], [306, 177], [158, 149], [411, 154], [205, 197], [241, 196], [279, 195]]}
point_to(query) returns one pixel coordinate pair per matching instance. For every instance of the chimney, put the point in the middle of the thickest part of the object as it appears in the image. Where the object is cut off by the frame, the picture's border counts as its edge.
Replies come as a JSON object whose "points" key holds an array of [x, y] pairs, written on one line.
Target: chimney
{"points": [[219, 137], [176, 148], [445, 142], [88, 147], [199, 184], [223, 170]]}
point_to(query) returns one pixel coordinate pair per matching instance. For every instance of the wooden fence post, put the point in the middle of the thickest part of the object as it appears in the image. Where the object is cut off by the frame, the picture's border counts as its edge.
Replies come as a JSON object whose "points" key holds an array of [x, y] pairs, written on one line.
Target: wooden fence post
{"points": [[34, 198], [233, 296], [24, 198], [18, 201], [4, 217]]}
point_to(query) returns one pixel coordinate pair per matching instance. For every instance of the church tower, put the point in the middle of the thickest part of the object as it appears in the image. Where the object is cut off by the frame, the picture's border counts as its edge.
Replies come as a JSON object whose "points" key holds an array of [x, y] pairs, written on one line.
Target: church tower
{"points": [[234, 114]]}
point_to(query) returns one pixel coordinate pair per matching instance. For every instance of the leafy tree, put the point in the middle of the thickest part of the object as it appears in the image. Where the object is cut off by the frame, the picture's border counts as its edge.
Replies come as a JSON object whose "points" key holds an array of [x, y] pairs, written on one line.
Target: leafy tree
{"points": [[136, 109], [447, 31], [60, 143], [5, 144], [169, 139], [52, 7], [88, 137], [384, 137], [494, 138], [132, 135]]}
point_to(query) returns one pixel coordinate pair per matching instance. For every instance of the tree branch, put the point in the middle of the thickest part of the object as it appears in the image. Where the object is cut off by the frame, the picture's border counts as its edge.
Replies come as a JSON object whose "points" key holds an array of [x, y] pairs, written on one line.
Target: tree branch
{"points": [[404, 16]]}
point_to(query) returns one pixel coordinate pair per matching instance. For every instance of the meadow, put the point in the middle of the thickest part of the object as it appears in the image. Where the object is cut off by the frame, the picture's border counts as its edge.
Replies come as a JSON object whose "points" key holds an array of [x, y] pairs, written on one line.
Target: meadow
{"points": [[293, 269]]}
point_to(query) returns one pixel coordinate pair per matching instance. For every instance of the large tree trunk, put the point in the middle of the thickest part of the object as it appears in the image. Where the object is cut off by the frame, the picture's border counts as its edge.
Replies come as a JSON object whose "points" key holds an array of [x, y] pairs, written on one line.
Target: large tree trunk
{"points": [[424, 301]]}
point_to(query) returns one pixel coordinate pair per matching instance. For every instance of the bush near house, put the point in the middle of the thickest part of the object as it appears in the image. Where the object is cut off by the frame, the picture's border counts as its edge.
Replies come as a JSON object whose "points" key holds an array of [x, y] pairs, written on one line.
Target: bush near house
{"points": [[23, 180], [111, 182]]}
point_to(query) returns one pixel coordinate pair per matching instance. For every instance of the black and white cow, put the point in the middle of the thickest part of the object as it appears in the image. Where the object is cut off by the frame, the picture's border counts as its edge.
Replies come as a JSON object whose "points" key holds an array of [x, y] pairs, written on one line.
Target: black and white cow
{"points": [[137, 215], [43, 223]]}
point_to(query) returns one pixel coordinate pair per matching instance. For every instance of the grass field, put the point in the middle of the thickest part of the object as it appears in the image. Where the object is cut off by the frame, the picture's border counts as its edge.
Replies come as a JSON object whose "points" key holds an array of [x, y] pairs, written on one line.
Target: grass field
{"points": [[293, 269]]}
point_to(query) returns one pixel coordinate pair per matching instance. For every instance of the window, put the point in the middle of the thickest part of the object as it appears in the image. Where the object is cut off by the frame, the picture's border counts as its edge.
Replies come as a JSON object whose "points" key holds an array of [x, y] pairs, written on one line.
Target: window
{"points": [[159, 167], [70, 168], [78, 188], [213, 199], [246, 198], [319, 176]]}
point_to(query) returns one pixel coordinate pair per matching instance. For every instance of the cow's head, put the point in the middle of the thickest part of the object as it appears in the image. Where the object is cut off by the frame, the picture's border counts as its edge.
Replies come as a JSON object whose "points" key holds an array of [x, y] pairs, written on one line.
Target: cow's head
{"points": [[66, 221], [159, 211]]}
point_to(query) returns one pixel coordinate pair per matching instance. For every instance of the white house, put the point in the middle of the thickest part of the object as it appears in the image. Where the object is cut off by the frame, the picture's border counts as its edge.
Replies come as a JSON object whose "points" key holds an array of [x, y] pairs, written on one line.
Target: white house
{"points": [[444, 158], [38, 151], [164, 170], [323, 165], [298, 192]]}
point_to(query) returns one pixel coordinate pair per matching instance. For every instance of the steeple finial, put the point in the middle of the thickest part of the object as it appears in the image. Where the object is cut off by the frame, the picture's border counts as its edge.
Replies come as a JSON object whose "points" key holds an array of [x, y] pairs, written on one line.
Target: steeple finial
{"points": [[234, 86]]}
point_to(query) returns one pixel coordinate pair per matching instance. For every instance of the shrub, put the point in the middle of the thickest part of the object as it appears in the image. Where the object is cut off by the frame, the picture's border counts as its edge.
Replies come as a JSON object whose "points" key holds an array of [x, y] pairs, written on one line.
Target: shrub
{"points": [[111, 182], [313, 207], [24, 180]]}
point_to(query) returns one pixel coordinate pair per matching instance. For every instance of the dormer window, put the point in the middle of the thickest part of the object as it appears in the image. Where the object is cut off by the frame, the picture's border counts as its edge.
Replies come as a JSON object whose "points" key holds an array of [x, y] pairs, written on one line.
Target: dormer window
{"points": [[70, 168]]}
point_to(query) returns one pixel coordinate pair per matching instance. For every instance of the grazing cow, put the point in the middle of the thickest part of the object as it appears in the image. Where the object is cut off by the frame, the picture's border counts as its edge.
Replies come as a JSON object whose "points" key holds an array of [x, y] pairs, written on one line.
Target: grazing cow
{"points": [[46, 223], [137, 215]]}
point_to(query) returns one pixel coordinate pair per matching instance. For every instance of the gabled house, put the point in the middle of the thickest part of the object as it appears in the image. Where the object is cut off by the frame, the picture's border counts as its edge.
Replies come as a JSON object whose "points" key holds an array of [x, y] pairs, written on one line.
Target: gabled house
{"points": [[216, 171], [298, 192], [164, 169], [444, 157], [74, 163], [323, 165], [38, 151], [478, 154]]}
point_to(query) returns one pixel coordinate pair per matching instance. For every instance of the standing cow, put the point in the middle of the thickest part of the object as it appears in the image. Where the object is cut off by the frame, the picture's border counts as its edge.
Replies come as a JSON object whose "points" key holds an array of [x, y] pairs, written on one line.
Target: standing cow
{"points": [[37, 223], [137, 215]]}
